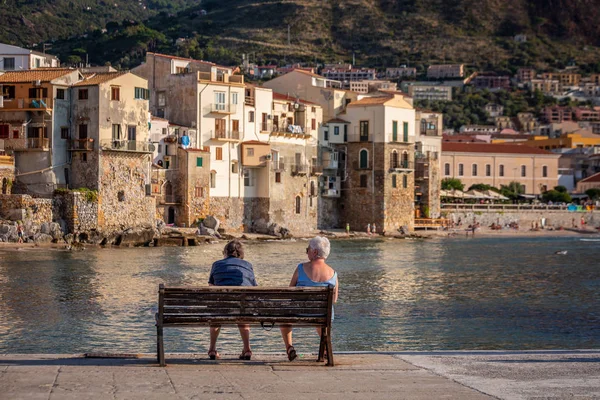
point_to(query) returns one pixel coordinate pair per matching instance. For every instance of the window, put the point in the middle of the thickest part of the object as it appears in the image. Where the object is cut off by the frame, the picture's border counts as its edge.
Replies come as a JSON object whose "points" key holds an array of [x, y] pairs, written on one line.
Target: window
{"points": [[159, 149], [277, 177], [131, 133], [363, 181], [116, 132], [250, 151], [394, 131], [394, 178], [364, 159], [219, 153], [325, 135], [198, 191], [8, 92], [364, 131], [60, 94], [181, 70], [345, 133], [234, 167], [404, 181], [9, 63], [313, 188], [15, 134], [298, 204], [313, 124], [447, 169], [141, 93], [404, 159], [4, 131], [199, 162], [544, 171], [84, 157], [83, 133], [234, 98], [461, 170], [115, 93], [162, 100], [488, 170], [406, 132], [220, 101], [213, 179], [64, 132], [251, 116], [83, 94], [474, 170], [313, 109], [500, 170], [336, 130], [121, 195], [248, 177], [394, 160], [38, 93], [523, 170]]}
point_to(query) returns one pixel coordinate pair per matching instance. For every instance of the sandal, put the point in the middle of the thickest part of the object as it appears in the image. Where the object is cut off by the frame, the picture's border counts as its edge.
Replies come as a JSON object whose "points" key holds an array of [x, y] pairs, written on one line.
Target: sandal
{"points": [[213, 355], [291, 353], [247, 355]]}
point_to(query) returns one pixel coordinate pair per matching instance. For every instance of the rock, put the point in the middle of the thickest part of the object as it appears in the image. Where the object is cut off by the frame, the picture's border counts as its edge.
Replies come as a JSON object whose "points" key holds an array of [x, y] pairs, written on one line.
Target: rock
{"points": [[136, 237], [55, 231], [69, 238], [42, 238], [205, 231], [45, 228], [31, 228], [260, 226], [404, 230], [211, 223], [160, 225], [7, 230], [285, 233], [17, 214], [274, 229]]}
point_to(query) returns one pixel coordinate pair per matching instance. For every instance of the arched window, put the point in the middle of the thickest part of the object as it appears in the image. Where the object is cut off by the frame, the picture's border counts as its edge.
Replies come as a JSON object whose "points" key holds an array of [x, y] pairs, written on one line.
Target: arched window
{"points": [[298, 204], [364, 159], [213, 179], [461, 169], [523, 170], [394, 160], [313, 189], [500, 170], [404, 159], [474, 170], [545, 171], [447, 169]]}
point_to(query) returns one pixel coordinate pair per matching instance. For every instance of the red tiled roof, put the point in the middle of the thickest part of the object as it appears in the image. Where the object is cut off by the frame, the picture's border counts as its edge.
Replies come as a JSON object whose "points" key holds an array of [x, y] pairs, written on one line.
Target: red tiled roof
{"points": [[285, 97], [44, 75], [370, 101], [101, 77], [491, 148], [337, 121], [593, 178]]}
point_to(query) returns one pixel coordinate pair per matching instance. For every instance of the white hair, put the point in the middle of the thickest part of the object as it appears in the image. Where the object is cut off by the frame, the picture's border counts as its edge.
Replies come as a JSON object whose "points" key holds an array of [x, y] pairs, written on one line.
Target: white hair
{"points": [[321, 245]]}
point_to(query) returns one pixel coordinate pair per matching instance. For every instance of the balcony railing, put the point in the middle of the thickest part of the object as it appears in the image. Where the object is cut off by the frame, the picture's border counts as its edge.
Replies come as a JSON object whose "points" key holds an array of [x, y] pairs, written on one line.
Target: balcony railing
{"points": [[225, 135], [331, 193], [249, 101], [278, 166], [37, 143], [26, 103], [289, 129], [316, 170], [126, 145], [401, 164], [81, 144], [299, 169], [358, 165], [222, 108]]}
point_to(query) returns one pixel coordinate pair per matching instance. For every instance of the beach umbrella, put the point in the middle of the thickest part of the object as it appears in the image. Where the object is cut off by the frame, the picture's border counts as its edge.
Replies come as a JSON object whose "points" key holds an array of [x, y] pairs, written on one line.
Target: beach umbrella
{"points": [[458, 194], [495, 195], [477, 194]]}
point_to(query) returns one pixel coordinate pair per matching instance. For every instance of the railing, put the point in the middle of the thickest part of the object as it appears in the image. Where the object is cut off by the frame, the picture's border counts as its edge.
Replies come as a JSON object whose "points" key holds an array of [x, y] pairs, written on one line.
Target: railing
{"points": [[7, 160], [126, 145], [331, 193], [431, 222], [225, 135], [37, 143], [358, 165], [249, 101], [222, 108], [27, 103], [433, 155], [400, 164], [316, 169], [278, 166], [81, 144], [512, 207], [299, 169], [422, 171], [290, 129]]}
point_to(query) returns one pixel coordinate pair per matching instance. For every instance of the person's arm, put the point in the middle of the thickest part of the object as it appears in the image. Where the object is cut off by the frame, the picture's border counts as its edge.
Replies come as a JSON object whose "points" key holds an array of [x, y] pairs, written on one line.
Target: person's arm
{"points": [[294, 280], [211, 278], [335, 291]]}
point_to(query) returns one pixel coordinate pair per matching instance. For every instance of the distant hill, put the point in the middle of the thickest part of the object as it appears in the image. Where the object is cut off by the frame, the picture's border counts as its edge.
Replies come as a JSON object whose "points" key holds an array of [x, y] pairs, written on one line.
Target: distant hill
{"points": [[378, 32]]}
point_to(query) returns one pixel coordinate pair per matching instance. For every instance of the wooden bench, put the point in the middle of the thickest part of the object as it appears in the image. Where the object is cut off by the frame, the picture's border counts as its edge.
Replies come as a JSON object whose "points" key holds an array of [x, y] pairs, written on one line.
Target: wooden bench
{"points": [[183, 307]]}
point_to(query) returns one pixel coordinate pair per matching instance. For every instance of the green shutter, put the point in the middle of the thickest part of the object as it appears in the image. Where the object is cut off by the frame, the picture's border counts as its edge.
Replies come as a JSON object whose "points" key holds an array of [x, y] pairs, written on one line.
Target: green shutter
{"points": [[198, 161], [394, 131], [406, 131]]}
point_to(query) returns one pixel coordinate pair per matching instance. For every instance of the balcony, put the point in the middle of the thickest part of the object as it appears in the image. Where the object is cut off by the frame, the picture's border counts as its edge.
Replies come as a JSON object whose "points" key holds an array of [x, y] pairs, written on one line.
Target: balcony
{"points": [[222, 108], [27, 104], [127, 146], [225, 136], [39, 144], [170, 199], [278, 166], [299, 169], [81, 144], [398, 165], [249, 101], [331, 193], [316, 170], [357, 165]]}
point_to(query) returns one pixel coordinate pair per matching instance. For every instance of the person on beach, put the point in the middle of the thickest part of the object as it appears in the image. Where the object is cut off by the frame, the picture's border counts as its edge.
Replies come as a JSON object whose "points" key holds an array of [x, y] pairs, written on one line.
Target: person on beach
{"points": [[368, 229], [374, 229], [347, 229], [233, 270], [313, 273], [20, 233]]}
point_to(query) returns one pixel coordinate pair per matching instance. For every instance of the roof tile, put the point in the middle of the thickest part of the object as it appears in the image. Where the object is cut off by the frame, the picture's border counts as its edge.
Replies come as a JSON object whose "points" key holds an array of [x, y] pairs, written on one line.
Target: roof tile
{"points": [[44, 75]]}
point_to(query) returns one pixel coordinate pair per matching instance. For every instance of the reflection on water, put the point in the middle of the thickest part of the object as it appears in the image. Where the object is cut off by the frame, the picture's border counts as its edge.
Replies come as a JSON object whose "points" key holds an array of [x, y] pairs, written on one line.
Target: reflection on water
{"points": [[482, 293]]}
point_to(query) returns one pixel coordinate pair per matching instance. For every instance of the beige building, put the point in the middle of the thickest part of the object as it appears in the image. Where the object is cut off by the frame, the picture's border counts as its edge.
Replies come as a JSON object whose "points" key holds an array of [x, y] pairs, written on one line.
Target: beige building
{"points": [[548, 86], [430, 92], [366, 86], [565, 78], [500, 164], [428, 144], [591, 182], [446, 71]]}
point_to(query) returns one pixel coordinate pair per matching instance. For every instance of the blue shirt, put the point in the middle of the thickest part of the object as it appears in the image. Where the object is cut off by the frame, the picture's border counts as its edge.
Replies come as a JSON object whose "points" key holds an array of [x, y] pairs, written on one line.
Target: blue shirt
{"points": [[232, 271]]}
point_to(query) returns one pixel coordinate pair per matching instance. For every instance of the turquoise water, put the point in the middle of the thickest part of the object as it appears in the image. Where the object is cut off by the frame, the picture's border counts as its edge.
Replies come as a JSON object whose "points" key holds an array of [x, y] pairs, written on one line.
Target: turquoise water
{"points": [[438, 294]]}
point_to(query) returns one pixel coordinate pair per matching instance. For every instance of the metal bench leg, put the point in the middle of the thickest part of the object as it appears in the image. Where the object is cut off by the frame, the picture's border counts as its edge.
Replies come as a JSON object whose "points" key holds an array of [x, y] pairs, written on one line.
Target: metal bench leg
{"points": [[322, 345], [330, 362], [160, 347]]}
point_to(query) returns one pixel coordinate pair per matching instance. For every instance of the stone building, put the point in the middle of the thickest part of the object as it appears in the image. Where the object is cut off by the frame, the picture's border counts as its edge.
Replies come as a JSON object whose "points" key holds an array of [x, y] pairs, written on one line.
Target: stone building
{"points": [[34, 125], [109, 147], [428, 139], [7, 173]]}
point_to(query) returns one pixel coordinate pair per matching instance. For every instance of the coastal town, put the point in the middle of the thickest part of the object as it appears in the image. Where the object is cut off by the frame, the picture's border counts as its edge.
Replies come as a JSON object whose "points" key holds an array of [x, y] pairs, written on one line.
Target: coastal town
{"points": [[104, 156]]}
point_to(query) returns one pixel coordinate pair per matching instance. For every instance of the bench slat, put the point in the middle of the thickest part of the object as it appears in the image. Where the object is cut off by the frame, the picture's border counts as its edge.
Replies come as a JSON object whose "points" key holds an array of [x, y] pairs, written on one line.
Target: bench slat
{"points": [[249, 296], [246, 302], [246, 311], [169, 320], [236, 289]]}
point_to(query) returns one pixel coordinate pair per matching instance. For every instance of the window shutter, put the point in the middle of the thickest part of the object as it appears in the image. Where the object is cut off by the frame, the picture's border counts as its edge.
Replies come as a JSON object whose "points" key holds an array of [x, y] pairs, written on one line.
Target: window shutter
{"points": [[198, 161]]}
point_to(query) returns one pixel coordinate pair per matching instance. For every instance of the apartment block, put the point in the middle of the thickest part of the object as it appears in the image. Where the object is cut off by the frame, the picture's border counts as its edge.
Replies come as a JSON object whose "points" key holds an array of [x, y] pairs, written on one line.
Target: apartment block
{"points": [[565, 78], [587, 114], [446, 71], [557, 114], [430, 92], [547, 86], [492, 82], [368, 86], [400, 72], [525, 74], [347, 74], [13, 58]]}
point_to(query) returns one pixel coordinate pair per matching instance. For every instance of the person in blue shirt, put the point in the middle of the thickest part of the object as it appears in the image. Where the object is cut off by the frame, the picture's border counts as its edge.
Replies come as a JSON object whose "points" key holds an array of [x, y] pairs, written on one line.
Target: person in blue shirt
{"points": [[233, 270], [313, 273]]}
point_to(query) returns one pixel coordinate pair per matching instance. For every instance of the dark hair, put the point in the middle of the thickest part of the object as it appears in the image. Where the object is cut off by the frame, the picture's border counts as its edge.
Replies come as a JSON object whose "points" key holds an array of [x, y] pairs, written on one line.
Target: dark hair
{"points": [[234, 249]]}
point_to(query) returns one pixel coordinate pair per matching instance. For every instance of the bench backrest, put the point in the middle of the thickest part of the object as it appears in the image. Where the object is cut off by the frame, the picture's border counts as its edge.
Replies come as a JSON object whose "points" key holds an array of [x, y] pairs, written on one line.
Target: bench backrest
{"points": [[244, 304]]}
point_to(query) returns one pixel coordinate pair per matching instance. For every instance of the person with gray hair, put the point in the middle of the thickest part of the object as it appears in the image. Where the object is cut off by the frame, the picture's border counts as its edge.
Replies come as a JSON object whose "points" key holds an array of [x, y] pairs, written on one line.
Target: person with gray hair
{"points": [[313, 273], [233, 270]]}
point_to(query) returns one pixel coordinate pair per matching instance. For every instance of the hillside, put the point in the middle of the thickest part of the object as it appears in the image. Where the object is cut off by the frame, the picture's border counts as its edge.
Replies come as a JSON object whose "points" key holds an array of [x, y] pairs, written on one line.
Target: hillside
{"points": [[378, 32]]}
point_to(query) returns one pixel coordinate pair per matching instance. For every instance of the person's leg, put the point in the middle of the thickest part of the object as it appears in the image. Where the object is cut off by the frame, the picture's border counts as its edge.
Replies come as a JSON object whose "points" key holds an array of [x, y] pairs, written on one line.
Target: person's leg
{"points": [[286, 334], [245, 333], [214, 334]]}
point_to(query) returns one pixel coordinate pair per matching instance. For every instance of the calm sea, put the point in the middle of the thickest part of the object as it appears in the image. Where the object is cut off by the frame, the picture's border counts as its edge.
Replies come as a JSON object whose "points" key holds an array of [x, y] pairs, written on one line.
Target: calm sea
{"points": [[438, 294]]}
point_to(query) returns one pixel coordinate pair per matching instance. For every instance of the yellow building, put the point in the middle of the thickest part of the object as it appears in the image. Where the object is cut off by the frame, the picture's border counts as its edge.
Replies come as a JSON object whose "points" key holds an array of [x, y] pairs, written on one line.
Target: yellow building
{"points": [[565, 141]]}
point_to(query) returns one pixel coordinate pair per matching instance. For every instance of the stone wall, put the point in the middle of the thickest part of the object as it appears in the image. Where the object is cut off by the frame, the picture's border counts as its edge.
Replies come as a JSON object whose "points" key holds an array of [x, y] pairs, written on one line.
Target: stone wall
{"points": [[122, 200], [84, 169], [329, 213], [78, 214], [19, 207], [554, 219], [238, 214]]}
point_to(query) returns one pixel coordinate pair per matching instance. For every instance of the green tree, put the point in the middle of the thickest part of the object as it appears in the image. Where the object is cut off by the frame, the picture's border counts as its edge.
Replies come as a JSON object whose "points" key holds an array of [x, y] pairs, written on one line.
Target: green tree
{"points": [[556, 197], [593, 193], [512, 190], [452, 183], [483, 187], [560, 189]]}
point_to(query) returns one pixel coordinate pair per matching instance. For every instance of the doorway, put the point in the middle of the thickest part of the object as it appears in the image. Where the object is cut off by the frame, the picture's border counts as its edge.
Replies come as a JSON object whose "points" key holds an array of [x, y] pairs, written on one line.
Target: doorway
{"points": [[171, 216]]}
